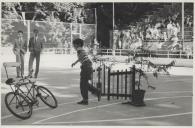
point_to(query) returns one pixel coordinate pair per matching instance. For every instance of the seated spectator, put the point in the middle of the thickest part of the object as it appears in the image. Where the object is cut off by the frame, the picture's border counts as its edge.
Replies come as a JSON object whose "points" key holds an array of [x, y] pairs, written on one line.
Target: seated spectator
{"points": [[174, 36], [169, 29], [155, 33], [188, 21]]}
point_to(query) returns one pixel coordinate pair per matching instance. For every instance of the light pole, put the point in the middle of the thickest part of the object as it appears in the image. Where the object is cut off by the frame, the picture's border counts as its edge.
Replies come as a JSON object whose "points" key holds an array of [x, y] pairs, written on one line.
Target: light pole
{"points": [[182, 25], [113, 24]]}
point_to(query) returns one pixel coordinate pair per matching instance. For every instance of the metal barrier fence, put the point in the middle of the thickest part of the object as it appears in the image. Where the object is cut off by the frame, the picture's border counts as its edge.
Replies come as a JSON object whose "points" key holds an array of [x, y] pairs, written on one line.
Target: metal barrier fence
{"points": [[115, 84]]}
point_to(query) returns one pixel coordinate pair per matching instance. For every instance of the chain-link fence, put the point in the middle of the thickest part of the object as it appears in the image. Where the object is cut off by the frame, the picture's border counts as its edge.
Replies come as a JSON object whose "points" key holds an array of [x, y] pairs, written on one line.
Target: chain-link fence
{"points": [[54, 34]]}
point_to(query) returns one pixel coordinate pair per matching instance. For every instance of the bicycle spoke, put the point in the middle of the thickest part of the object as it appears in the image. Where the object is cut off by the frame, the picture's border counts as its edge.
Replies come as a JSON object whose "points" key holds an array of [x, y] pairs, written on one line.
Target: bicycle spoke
{"points": [[11, 100], [47, 97], [44, 91], [22, 106]]}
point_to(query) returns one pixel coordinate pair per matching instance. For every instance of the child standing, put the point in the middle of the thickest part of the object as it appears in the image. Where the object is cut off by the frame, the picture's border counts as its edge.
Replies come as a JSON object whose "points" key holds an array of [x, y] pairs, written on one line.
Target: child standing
{"points": [[86, 72]]}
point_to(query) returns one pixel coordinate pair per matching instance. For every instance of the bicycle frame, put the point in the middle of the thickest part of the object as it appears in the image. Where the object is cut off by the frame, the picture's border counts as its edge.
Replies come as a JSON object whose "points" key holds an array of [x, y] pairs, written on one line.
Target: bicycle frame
{"points": [[22, 82], [31, 94]]}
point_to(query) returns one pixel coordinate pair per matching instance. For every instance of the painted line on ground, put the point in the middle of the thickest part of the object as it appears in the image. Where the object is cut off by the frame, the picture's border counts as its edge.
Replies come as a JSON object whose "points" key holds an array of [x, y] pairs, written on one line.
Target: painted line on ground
{"points": [[170, 92], [123, 119], [46, 107], [172, 97], [65, 114], [100, 106]]}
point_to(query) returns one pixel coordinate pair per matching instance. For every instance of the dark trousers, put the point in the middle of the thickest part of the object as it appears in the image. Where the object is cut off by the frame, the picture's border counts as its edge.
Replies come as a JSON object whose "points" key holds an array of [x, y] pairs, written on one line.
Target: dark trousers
{"points": [[20, 59], [85, 75], [34, 55]]}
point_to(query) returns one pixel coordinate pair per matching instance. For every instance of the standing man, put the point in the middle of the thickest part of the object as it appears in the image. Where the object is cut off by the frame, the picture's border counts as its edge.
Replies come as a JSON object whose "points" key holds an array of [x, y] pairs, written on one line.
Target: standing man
{"points": [[35, 48], [19, 49]]}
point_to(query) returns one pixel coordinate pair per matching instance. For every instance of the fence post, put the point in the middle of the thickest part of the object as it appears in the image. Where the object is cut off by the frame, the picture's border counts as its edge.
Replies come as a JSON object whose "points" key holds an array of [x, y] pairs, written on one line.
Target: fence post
{"points": [[99, 69], [117, 84], [122, 82], [113, 84], [125, 84], [133, 80], [104, 78], [108, 84], [92, 80]]}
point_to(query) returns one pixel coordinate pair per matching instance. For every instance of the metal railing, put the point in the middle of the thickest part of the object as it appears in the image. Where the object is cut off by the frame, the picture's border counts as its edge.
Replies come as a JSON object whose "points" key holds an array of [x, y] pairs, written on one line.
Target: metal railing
{"points": [[150, 53], [125, 52]]}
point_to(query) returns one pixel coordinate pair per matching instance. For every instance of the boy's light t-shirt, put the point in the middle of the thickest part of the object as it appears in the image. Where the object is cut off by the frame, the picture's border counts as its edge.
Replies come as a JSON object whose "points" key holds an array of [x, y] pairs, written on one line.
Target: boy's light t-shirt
{"points": [[82, 55]]}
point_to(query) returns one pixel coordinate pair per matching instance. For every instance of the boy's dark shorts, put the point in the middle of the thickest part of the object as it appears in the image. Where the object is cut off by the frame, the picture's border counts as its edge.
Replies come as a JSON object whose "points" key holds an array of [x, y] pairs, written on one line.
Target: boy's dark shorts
{"points": [[86, 70]]}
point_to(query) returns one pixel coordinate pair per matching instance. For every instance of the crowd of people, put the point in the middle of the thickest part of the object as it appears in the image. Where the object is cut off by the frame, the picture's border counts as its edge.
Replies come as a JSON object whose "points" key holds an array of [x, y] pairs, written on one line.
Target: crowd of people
{"points": [[141, 34]]}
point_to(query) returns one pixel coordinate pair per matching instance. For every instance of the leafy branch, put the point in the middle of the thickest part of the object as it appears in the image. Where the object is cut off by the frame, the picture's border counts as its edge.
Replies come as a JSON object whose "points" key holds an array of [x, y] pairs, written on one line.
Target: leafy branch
{"points": [[160, 68], [157, 68]]}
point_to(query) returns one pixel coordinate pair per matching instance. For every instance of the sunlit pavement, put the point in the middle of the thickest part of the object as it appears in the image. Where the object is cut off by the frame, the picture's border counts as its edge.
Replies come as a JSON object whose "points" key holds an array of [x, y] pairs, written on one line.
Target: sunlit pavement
{"points": [[170, 104]]}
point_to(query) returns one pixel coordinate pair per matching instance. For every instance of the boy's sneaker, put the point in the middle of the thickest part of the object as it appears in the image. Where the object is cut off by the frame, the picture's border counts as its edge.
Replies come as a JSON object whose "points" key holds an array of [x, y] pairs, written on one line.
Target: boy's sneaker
{"points": [[83, 102], [18, 76]]}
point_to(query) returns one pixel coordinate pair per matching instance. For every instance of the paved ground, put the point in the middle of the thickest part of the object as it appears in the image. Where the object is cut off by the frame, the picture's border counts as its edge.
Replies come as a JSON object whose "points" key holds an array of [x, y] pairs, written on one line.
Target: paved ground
{"points": [[170, 104]]}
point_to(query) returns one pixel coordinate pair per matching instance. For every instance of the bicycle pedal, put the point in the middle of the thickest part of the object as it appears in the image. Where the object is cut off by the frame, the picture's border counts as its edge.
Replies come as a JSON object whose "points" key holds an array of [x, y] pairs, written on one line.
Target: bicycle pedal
{"points": [[37, 105], [17, 106]]}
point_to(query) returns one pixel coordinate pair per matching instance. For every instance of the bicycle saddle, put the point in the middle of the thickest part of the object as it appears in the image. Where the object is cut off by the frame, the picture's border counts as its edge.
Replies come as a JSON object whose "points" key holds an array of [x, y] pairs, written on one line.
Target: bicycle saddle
{"points": [[10, 81]]}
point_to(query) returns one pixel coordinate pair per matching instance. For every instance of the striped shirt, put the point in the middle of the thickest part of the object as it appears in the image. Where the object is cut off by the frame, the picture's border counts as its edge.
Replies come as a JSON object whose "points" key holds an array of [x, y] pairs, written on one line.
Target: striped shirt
{"points": [[82, 55]]}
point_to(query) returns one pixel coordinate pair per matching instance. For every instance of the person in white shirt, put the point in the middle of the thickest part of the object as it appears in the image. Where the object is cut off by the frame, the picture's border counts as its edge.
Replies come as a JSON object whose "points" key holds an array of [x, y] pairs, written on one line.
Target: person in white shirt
{"points": [[19, 49]]}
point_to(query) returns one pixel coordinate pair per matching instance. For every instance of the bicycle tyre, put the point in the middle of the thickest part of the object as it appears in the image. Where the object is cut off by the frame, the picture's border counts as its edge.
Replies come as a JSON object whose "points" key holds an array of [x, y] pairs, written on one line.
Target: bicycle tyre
{"points": [[42, 91], [19, 101]]}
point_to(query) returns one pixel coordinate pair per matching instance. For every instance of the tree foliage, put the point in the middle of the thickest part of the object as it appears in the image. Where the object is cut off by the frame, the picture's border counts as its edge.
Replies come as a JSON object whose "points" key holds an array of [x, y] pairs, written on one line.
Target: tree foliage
{"points": [[44, 11], [54, 14]]}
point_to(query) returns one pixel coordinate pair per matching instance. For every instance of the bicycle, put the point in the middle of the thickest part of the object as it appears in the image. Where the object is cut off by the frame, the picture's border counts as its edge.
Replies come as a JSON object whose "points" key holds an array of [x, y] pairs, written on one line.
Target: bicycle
{"points": [[25, 93]]}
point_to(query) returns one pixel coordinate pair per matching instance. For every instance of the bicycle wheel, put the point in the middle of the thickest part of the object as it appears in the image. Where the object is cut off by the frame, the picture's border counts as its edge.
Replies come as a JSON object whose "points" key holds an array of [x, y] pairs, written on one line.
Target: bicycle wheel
{"points": [[18, 105], [47, 97]]}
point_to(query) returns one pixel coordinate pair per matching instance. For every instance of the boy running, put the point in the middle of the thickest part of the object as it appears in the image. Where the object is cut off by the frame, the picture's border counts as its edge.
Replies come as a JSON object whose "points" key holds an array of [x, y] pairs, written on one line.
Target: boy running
{"points": [[86, 72]]}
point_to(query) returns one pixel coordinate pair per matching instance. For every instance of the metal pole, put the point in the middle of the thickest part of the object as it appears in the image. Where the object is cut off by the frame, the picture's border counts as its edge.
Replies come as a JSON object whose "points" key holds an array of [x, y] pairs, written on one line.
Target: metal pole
{"points": [[183, 27], [113, 20], [95, 23], [28, 30], [70, 38], [113, 24]]}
